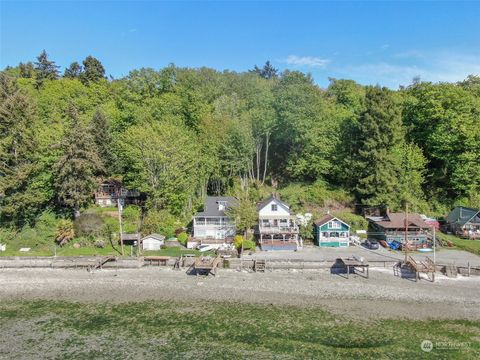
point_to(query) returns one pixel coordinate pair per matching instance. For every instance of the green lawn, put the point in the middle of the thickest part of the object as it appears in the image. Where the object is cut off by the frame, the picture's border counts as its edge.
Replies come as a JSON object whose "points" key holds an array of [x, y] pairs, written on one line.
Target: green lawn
{"points": [[170, 330], [472, 246], [69, 250]]}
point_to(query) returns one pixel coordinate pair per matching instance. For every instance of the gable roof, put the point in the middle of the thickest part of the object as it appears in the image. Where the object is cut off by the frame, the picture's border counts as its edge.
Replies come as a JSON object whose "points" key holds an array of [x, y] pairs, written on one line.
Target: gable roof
{"points": [[461, 215], [154, 236], [323, 220], [210, 207], [397, 220], [265, 202]]}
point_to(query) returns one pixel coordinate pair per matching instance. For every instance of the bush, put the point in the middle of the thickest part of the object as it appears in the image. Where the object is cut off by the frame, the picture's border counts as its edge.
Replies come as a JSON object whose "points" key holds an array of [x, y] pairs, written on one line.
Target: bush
{"points": [[182, 238], [161, 222], [65, 232], [238, 241], [131, 218], [249, 245], [46, 227], [88, 224]]}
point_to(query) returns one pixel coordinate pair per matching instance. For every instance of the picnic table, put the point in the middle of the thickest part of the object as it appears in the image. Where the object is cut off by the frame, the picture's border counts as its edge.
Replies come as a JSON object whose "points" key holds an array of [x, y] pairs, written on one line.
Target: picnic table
{"points": [[160, 260], [353, 263]]}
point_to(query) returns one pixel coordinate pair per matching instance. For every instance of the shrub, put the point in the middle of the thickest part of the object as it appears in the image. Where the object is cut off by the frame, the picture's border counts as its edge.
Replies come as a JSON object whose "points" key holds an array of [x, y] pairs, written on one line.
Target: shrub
{"points": [[88, 224], [65, 232], [249, 245], [46, 227], [182, 238], [238, 241], [161, 222]]}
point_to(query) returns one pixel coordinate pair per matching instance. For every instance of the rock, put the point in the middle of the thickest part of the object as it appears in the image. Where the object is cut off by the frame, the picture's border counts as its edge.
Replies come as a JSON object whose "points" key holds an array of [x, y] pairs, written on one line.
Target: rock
{"points": [[76, 246], [99, 244]]}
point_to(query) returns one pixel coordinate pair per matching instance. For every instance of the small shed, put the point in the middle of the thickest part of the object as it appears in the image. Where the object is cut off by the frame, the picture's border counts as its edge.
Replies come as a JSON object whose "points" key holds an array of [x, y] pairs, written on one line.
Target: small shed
{"points": [[153, 242], [130, 239]]}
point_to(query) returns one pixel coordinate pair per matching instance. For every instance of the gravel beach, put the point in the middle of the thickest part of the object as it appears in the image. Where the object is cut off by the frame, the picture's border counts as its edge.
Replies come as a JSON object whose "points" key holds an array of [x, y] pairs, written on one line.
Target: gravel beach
{"points": [[383, 295]]}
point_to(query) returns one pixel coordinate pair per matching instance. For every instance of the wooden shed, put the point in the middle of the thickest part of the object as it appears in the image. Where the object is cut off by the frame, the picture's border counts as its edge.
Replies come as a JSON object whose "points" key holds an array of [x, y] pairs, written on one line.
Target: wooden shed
{"points": [[153, 242]]}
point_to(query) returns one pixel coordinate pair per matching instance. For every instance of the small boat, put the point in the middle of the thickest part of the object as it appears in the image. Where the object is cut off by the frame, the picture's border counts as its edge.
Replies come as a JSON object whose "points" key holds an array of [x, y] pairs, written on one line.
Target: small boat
{"points": [[425, 250]]}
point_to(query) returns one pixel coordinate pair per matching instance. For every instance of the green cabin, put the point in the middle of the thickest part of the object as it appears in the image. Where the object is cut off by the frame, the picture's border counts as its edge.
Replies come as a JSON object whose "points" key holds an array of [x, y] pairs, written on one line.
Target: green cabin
{"points": [[331, 232]]}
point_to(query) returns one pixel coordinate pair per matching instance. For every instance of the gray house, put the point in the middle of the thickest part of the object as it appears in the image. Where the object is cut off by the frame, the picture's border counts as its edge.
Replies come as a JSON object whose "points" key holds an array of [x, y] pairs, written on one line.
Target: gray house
{"points": [[464, 222], [212, 223]]}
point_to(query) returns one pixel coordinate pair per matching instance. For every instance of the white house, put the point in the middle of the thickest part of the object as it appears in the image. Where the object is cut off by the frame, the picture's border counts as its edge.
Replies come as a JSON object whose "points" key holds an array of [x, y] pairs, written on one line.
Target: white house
{"points": [[277, 228], [153, 242], [212, 223]]}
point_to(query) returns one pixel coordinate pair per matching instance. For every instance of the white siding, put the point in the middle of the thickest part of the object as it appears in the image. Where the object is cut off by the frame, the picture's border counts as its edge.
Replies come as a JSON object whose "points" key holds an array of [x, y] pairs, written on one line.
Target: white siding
{"points": [[151, 244], [267, 210]]}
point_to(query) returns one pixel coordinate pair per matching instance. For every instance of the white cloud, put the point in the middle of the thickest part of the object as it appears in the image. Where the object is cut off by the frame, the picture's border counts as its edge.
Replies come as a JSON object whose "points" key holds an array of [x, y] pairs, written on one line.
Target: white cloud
{"points": [[308, 61], [435, 67]]}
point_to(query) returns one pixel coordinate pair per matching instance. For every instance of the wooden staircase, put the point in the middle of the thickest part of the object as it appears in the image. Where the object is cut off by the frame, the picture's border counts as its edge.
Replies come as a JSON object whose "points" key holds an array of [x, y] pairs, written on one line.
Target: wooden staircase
{"points": [[259, 265], [451, 271]]}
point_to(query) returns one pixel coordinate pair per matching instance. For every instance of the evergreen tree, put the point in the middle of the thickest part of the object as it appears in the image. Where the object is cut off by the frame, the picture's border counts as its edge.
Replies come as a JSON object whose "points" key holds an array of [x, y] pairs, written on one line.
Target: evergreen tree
{"points": [[20, 198], [73, 71], [93, 70], [100, 130], [267, 72], [27, 70], [78, 166], [46, 69], [380, 133]]}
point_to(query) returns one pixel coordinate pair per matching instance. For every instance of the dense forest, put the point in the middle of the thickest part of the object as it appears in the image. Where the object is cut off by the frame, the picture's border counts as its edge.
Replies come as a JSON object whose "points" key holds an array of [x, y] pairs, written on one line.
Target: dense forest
{"points": [[178, 134]]}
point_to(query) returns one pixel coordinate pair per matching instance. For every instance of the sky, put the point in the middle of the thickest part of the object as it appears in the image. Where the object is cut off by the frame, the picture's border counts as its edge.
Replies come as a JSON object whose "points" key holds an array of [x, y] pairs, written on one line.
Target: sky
{"points": [[387, 43]]}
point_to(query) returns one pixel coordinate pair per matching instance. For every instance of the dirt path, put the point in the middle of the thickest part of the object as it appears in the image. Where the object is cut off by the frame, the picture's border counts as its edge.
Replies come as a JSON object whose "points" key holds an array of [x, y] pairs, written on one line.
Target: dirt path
{"points": [[381, 296]]}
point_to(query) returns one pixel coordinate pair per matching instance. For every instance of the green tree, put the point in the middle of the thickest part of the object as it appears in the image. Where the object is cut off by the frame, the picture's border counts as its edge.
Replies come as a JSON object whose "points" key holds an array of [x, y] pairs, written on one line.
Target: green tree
{"points": [[45, 69], [266, 72], [93, 70], [243, 212], [76, 169], [102, 137], [73, 71], [443, 121], [381, 132], [27, 70], [21, 198], [163, 161]]}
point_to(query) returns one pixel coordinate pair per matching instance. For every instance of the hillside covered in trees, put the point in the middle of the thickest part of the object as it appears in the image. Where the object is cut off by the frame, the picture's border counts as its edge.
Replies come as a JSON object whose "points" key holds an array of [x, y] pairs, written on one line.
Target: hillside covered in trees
{"points": [[177, 134]]}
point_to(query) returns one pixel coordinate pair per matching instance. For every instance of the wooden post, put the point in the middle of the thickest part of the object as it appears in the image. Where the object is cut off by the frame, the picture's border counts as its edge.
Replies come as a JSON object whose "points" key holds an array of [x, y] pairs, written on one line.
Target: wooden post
{"points": [[119, 205], [406, 231]]}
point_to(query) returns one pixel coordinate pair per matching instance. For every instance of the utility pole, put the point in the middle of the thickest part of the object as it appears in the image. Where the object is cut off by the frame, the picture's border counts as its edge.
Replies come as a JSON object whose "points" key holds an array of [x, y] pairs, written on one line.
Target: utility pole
{"points": [[434, 247], [406, 231], [119, 205]]}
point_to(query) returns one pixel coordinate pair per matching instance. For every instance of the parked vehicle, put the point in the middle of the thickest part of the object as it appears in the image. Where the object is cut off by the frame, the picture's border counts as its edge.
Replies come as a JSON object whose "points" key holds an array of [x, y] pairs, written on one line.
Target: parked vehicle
{"points": [[371, 244], [205, 247]]}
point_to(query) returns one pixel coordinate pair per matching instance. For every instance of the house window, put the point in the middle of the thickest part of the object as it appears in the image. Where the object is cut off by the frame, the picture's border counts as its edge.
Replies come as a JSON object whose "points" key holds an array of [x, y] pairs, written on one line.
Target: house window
{"points": [[274, 207], [334, 224]]}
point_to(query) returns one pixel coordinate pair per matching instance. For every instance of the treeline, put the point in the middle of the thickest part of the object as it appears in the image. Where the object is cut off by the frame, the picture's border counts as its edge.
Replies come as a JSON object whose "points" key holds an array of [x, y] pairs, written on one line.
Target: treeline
{"points": [[177, 134]]}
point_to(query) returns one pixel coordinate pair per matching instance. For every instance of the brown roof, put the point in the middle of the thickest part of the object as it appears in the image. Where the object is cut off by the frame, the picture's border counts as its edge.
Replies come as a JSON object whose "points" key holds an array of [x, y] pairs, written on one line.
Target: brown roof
{"points": [[324, 219], [397, 220]]}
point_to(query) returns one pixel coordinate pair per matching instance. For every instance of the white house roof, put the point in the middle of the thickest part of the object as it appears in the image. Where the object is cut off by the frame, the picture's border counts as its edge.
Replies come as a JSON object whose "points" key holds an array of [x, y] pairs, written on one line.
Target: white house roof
{"points": [[154, 236], [267, 201]]}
